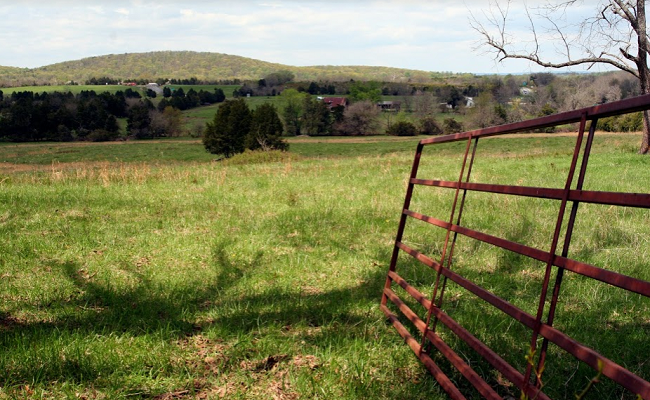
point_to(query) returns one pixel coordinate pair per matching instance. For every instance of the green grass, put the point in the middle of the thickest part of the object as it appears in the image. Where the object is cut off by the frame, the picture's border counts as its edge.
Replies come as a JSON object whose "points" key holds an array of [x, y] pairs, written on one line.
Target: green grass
{"points": [[146, 269], [171, 150], [182, 150]]}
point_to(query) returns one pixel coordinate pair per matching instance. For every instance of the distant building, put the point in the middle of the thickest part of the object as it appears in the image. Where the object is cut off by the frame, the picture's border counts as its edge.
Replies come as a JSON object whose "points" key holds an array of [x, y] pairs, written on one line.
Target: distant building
{"points": [[444, 107], [333, 102], [389, 105], [155, 87]]}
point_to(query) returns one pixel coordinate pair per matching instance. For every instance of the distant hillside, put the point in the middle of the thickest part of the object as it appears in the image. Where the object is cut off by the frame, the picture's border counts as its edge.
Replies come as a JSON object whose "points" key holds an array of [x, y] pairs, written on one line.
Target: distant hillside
{"points": [[204, 66], [14, 76]]}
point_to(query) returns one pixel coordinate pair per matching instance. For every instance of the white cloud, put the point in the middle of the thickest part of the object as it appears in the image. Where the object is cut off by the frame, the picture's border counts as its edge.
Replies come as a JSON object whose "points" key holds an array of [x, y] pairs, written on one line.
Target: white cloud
{"points": [[418, 34], [96, 9]]}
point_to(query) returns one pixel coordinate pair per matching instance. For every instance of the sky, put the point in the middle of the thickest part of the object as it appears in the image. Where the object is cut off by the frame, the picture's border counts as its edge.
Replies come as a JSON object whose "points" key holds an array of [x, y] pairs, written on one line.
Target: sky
{"points": [[429, 35]]}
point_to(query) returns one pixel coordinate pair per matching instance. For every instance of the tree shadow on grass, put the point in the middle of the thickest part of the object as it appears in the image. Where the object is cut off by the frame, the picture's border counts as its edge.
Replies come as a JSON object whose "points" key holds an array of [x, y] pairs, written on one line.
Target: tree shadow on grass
{"points": [[94, 315], [54, 349], [342, 324], [59, 349]]}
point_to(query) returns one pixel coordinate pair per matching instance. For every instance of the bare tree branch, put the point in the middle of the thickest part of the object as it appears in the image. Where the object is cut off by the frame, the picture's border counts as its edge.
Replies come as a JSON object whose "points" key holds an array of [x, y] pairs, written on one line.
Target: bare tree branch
{"points": [[615, 35]]}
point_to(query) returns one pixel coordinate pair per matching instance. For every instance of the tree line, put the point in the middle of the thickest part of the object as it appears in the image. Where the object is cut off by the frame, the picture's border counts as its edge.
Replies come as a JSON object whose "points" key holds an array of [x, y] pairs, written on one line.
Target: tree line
{"points": [[183, 101], [427, 110], [58, 116], [105, 80]]}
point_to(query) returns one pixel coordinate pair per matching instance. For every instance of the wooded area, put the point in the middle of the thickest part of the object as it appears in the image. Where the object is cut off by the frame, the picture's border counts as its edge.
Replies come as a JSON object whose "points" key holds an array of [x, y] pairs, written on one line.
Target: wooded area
{"points": [[429, 109]]}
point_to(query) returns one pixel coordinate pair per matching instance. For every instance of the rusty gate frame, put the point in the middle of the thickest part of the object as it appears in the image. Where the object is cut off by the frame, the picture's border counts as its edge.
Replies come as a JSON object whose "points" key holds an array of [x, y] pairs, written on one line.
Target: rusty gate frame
{"points": [[527, 381]]}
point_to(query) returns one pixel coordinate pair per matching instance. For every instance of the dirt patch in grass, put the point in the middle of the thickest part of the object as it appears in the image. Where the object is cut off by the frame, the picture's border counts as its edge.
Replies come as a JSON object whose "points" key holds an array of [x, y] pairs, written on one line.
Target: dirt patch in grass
{"points": [[218, 375]]}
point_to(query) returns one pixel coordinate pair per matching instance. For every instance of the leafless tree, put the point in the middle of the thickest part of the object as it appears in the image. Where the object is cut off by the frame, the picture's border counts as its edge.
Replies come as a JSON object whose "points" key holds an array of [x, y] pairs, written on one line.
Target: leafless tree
{"points": [[614, 35], [361, 118], [425, 104]]}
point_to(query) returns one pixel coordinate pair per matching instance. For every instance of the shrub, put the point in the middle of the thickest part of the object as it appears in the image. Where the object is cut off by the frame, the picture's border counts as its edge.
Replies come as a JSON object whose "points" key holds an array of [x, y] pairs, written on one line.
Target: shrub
{"points": [[452, 126], [429, 127], [622, 123], [359, 119], [402, 128], [102, 135]]}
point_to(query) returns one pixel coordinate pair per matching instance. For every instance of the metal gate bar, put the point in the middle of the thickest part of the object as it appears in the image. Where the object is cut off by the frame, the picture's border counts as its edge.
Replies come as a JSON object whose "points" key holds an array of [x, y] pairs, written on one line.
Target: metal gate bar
{"points": [[544, 330]]}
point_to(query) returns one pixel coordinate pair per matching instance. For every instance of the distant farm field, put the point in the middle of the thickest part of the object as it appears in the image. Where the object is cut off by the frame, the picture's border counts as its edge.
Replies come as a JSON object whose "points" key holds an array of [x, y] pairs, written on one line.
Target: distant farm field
{"points": [[147, 270]]}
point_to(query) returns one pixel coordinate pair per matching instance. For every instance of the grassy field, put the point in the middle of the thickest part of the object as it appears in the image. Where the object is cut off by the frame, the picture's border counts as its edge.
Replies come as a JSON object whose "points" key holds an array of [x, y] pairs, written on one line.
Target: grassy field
{"points": [[147, 270]]}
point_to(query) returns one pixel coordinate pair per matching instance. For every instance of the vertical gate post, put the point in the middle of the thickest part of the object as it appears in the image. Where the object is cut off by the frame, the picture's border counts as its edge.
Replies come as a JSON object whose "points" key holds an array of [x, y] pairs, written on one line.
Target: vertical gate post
{"points": [[402, 221], [567, 240], [551, 253]]}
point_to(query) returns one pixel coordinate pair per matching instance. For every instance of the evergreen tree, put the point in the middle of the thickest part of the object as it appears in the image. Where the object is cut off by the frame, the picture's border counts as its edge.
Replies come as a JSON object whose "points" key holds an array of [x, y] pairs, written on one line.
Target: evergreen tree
{"points": [[164, 103], [131, 94], [292, 110], [139, 121], [111, 124], [313, 88], [192, 99], [227, 131], [219, 96], [178, 92], [266, 130], [316, 117]]}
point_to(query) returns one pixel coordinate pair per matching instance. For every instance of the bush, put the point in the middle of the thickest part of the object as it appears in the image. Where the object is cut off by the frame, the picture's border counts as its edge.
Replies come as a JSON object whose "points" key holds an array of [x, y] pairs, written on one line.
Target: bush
{"points": [[429, 127], [102, 135], [402, 128], [359, 119], [452, 126], [622, 123]]}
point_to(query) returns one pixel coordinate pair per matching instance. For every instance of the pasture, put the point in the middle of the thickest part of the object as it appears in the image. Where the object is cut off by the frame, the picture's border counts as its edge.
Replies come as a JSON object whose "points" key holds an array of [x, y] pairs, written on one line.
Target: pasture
{"points": [[147, 270]]}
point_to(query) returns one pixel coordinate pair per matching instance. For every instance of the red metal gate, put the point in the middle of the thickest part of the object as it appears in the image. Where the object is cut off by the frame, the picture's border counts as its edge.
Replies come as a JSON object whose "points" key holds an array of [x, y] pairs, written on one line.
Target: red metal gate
{"points": [[421, 331]]}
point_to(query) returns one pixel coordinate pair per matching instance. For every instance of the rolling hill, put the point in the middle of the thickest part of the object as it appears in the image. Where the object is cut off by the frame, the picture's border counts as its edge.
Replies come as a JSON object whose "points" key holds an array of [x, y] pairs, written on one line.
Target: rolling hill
{"points": [[204, 66]]}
